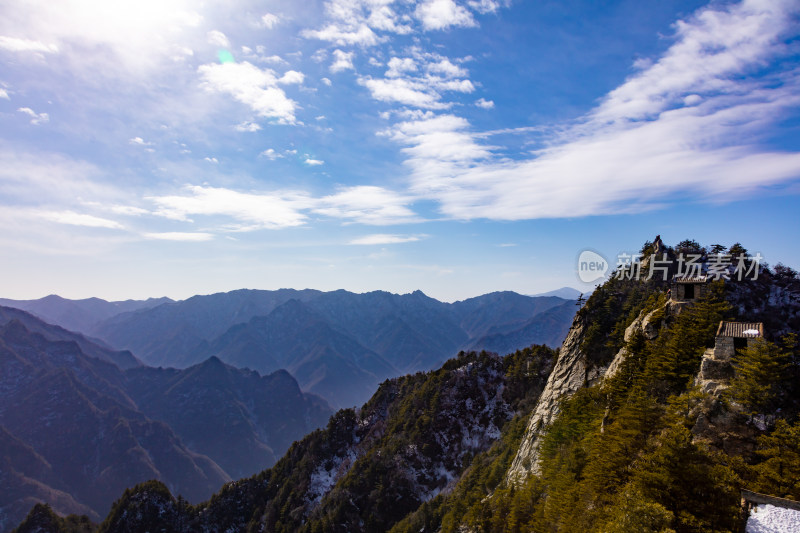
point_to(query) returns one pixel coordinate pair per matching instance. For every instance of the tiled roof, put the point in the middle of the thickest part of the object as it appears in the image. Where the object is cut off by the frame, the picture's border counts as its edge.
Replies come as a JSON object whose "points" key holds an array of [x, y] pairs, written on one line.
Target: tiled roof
{"points": [[690, 279], [740, 329]]}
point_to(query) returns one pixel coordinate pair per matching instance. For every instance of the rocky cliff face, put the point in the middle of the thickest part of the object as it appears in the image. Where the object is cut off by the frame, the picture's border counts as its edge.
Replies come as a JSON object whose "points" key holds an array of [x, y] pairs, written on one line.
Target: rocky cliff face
{"points": [[570, 373], [574, 370]]}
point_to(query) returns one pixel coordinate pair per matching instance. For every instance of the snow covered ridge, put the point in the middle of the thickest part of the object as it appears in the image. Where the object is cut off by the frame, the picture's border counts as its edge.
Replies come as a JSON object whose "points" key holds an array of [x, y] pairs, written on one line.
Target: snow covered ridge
{"points": [[467, 412]]}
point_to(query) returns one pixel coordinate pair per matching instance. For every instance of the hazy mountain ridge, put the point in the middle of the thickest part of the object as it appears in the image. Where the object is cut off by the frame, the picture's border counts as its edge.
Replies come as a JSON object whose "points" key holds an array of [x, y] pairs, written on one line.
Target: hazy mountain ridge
{"points": [[63, 406], [78, 315], [123, 359], [75, 430], [327, 338]]}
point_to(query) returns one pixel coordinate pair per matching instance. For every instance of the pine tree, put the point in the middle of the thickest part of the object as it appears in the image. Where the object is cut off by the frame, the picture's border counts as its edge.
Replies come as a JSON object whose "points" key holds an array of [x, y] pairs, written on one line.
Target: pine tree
{"points": [[762, 377], [779, 472]]}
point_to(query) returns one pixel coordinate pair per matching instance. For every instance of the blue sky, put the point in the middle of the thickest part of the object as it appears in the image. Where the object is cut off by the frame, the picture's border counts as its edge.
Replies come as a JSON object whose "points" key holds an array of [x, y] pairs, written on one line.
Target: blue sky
{"points": [[168, 147]]}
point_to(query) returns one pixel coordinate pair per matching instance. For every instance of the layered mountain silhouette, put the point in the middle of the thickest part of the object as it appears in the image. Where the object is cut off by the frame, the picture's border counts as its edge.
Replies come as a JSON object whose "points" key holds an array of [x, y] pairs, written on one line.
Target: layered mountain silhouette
{"points": [[338, 344], [78, 315], [76, 429]]}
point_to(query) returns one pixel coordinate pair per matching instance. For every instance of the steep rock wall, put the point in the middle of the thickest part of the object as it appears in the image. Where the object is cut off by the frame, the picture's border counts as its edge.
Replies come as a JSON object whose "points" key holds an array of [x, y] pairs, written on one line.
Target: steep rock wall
{"points": [[572, 371]]}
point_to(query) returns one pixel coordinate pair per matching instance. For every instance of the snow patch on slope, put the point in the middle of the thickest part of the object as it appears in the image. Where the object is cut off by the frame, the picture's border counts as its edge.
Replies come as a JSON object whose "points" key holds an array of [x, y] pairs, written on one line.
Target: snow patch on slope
{"points": [[770, 519]]}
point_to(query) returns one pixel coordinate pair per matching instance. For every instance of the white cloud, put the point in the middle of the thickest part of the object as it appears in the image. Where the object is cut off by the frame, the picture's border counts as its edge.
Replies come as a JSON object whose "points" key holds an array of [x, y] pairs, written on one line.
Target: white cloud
{"points": [[441, 14], [399, 66], [445, 67], [326, 81], [211, 160], [384, 18], [36, 118], [270, 20], [128, 210], [271, 154], [79, 219], [360, 35], [712, 48], [139, 142], [273, 59], [250, 127], [251, 210], [252, 86], [385, 238], [292, 77], [217, 38], [402, 86], [484, 6], [179, 236], [484, 104], [313, 162], [367, 204], [688, 124], [437, 143], [4, 94], [342, 61], [320, 55], [14, 44], [403, 91]]}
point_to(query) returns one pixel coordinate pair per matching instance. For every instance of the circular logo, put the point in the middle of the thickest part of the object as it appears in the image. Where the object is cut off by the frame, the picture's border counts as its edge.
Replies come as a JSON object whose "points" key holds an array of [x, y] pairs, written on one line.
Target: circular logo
{"points": [[591, 266]]}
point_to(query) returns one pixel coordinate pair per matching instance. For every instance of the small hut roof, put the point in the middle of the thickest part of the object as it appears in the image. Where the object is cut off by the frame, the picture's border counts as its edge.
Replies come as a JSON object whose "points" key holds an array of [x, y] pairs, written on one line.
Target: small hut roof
{"points": [[690, 279], [742, 330]]}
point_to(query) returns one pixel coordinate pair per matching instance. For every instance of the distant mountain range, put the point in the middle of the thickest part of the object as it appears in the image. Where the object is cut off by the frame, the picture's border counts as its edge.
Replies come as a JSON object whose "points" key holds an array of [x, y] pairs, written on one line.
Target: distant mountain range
{"points": [[76, 429], [78, 315], [338, 344], [568, 293]]}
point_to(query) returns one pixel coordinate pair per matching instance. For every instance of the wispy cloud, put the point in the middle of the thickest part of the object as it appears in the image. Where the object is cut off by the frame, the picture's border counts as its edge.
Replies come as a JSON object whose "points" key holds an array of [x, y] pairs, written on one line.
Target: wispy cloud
{"points": [[270, 20], [250, 210], [342, 61], [139, 141], [367, 23], [217, 38], [419, 81], [385, 238], [688, 122], [36, 118], [252, 86], [42, 177], [271, 154], [441, 14], [250, 127], [79, 219], [179, 236], [14, 44], [359, 34], [368, 205]]}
